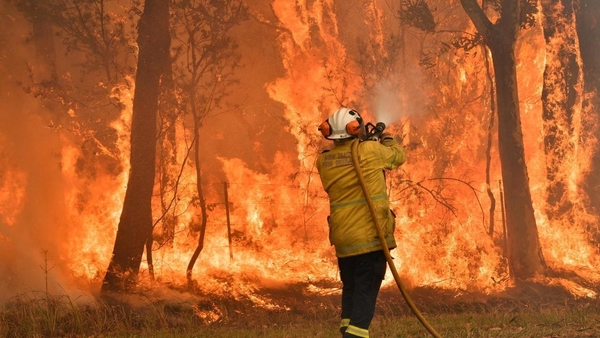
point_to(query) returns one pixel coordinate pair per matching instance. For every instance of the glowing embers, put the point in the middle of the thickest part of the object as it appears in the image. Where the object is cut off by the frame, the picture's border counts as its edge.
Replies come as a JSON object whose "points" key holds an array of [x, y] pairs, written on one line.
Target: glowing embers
{"points": [[575, 289], [208, 313]]}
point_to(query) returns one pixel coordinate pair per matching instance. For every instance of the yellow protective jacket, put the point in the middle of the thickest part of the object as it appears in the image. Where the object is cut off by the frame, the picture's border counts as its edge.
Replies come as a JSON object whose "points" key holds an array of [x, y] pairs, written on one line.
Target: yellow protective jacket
{"points": [[351, 227]]}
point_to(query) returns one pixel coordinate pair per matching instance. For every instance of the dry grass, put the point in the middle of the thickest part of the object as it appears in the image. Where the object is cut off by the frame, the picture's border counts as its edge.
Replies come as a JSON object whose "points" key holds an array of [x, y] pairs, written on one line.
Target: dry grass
{"points": [[518, 314]]}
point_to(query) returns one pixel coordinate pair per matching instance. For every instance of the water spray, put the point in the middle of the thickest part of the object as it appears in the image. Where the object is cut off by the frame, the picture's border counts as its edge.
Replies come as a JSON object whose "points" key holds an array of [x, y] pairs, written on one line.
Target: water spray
{"points": [[385, 116], [377, 131]]}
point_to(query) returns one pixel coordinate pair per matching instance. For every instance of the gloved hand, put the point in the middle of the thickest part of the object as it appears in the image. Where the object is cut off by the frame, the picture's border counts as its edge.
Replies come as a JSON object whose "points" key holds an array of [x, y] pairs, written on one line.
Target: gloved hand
{"points": [[387, 135], [387, 139]]}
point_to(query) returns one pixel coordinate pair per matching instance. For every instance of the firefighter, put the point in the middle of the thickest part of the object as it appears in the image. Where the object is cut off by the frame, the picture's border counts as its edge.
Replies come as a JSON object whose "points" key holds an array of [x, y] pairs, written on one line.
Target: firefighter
{"points": [[361, 260]]}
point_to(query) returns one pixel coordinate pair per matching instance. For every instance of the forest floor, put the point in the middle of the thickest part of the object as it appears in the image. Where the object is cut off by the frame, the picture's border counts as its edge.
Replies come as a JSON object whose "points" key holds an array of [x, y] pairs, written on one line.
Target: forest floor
{"points": [[303, 310], [531, 310]]}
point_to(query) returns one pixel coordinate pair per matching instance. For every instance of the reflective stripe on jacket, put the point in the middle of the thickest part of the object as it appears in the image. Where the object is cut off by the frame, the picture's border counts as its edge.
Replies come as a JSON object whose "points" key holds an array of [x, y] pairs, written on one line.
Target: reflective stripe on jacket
{"points": [[351, 228]]}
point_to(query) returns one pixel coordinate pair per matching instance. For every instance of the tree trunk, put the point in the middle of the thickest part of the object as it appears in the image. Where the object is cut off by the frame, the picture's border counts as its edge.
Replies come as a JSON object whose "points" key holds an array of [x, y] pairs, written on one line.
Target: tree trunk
{"points": [[560, 97], [588, 32], [524, 251], [201, 200], [490, 138], [135, 225]]}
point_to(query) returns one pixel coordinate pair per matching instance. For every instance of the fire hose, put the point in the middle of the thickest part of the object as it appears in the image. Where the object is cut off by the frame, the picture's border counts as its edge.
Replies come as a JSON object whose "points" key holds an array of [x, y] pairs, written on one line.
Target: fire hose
{"points": [[386, 249]]}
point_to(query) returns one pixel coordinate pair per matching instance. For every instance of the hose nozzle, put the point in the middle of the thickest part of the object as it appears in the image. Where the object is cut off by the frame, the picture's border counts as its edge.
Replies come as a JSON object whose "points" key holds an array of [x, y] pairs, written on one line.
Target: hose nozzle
{"points": [[374, 131], [380, 127]]}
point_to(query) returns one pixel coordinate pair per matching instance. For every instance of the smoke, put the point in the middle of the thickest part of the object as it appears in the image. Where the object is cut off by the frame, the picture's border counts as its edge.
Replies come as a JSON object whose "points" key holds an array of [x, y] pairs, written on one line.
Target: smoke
{"points": [[33, 222], [33, 239]]}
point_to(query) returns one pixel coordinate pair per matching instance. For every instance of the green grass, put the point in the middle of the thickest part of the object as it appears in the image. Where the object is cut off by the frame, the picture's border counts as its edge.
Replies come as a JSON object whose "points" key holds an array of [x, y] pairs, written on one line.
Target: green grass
{"points": [[303, 316]]}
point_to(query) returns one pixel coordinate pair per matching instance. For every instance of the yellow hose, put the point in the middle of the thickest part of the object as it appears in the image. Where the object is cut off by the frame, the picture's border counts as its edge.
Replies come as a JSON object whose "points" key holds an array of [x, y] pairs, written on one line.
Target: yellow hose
{"points": [[386, 249]]}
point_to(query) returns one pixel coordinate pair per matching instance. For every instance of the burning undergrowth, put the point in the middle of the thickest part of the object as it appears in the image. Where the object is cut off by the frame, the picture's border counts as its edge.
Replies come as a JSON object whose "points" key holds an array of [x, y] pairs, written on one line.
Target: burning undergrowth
{"points": [[183, 311], [306, 302]]}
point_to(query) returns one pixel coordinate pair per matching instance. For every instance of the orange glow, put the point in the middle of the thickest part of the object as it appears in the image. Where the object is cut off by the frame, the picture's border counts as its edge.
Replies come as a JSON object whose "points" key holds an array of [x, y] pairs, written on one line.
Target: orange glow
{"points": [[277, 209], [12, 193]]}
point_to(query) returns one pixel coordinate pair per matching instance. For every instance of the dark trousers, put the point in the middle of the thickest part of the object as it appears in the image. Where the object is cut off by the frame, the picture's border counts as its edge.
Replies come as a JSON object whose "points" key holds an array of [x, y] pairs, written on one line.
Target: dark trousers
{"points": [[361, 279]]}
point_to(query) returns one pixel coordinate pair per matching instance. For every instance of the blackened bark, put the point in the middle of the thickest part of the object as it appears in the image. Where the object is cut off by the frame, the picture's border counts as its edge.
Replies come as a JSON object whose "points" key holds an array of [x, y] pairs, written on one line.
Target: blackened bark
{"points": [[135, 225]]}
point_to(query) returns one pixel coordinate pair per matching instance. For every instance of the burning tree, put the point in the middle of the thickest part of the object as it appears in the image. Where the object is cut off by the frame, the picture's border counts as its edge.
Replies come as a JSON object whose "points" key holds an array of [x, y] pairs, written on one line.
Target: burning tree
{"points": [[78, 96], [135, 225], [559, 97], [204, 62], [524, 251]]}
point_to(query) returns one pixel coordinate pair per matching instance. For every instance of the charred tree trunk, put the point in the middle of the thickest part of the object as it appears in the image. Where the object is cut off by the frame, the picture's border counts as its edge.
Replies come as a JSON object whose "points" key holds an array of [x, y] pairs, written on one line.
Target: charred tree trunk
{"points": [[560, 97], [588, 32], [135, 225], [524, 251]]}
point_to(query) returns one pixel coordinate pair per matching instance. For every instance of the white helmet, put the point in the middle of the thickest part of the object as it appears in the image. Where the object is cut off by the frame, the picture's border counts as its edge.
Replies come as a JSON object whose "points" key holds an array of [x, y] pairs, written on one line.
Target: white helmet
{"points": [[344, 123]]}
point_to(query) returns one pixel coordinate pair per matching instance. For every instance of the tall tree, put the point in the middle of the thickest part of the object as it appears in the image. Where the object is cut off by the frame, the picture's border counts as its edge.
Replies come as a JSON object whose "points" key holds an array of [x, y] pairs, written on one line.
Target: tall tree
{"points": [[135, 224], [524, 250]]}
